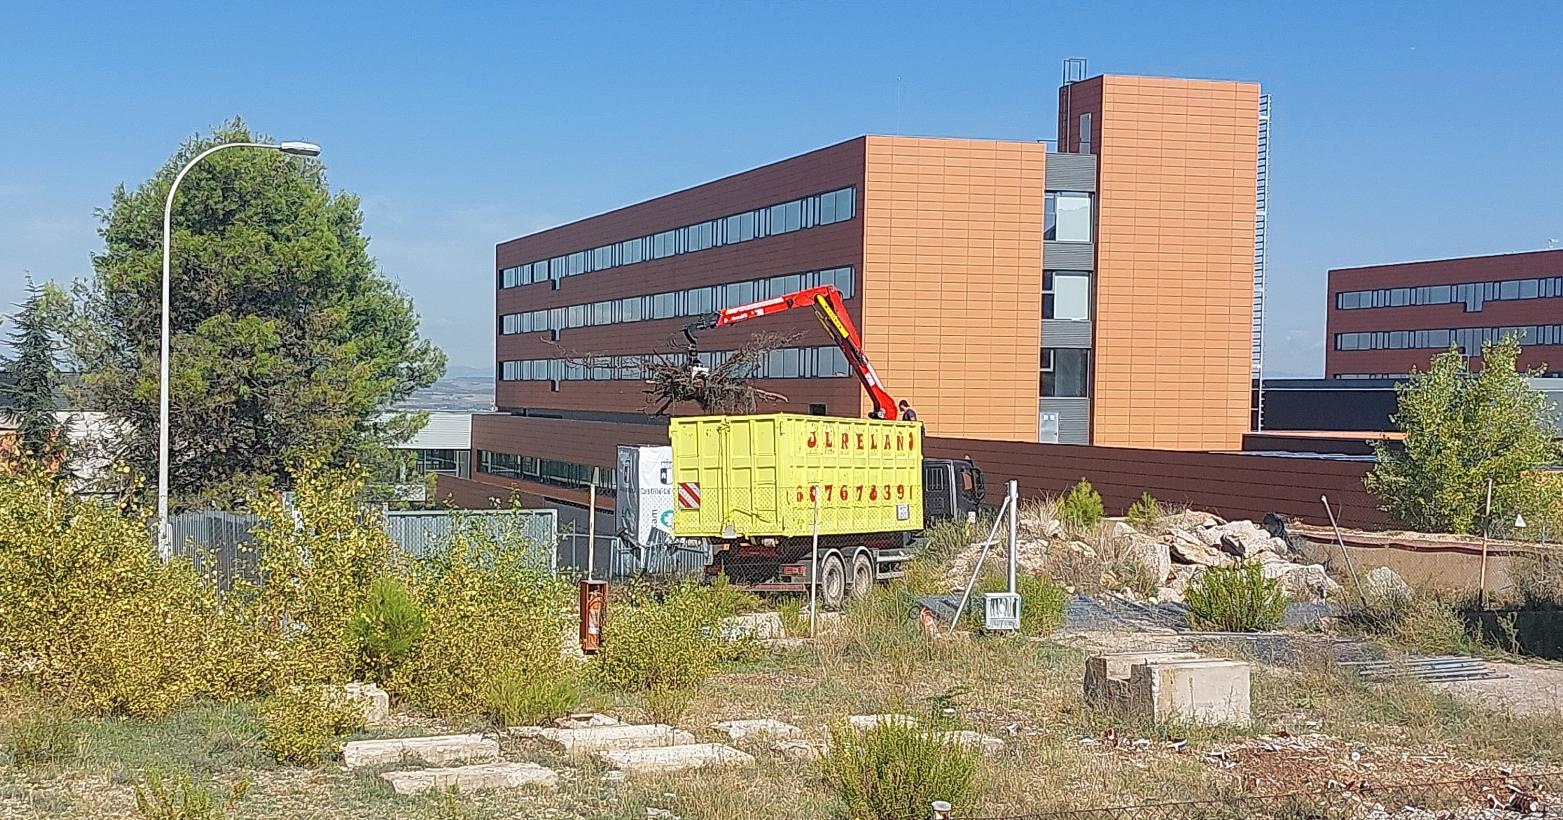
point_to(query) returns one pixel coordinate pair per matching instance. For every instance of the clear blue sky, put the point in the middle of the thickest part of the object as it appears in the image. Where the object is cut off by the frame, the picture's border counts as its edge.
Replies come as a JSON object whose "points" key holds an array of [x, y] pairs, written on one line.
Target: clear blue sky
{"points": [[1401, 131]]}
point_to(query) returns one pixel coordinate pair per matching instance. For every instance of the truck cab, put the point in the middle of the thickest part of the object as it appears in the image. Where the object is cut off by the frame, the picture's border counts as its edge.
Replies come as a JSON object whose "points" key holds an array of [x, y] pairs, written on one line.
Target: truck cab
{"points": [[953, 489]]}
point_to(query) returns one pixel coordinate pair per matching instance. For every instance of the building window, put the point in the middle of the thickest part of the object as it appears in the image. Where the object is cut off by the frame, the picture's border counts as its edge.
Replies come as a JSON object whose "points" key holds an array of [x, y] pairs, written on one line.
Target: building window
{"points": [[1066, 372], [1085, 133], [1066, 217], [783, 363], [1066, 295], [785, 217], [1473, 295], [1468, 339]]}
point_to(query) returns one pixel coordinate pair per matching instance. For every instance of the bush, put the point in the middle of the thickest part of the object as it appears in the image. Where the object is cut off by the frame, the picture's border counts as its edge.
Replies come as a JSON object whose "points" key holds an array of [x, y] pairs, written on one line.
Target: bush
{"points": [[306, 724], [1145, 514], [182, 799], [1042, 602], [494, 613], [1235, 599], [892, 771], [666, 704], [671, 644], [42, 735], [91, 617], [384, 629], [1538, 578], [794, 623], [517, 697], [1081, 507], [1421, 621]]}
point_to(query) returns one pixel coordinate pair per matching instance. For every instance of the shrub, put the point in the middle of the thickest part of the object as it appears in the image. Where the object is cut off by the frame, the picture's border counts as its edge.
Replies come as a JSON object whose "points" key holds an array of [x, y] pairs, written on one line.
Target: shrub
{"points": [[793, 622], [674, 643], [1422, 621], [892, 771], [384, 629], [493, 611], [1042, 602], [1538, 578], [1081, 507], [517, 697], [90, 616], [1145, 514], [306, 724], [666, 704], [42, 735], [183, 799], [1235, 599]]}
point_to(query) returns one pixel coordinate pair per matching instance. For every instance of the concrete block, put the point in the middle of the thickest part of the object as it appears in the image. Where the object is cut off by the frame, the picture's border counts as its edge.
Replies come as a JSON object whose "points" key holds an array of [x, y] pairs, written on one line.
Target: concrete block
{"points": [[664, 759], [988, 744], [759, 626], [480, 777], [741, 729], [585, 720], [796, 750], [862, 722], [376, 702], [1107, 676], [437, 750], [620, 736], [1211, 691]]}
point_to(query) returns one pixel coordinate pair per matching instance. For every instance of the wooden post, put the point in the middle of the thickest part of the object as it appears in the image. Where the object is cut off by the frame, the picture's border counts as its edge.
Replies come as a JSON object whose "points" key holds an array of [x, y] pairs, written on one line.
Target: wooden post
{"points": [[1481, 587]]}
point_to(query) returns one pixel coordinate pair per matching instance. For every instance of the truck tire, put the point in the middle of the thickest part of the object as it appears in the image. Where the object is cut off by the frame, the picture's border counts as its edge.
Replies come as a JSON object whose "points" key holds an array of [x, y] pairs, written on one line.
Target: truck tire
{"points": [[862, 574], [833, 581]]}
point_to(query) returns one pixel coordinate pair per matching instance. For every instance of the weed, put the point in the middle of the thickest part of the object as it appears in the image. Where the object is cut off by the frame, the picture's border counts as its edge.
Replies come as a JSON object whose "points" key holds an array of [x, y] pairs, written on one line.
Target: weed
{"points": [[1081, 508], [673, 643], [180, 798], [384, 629], [305, 724], [1235, 599], [517, 697], [793, 622], [666, 703], [1538, 578], [891, 771], [42, 735], [1145, 514], [1042, 602], [1422, 621]]}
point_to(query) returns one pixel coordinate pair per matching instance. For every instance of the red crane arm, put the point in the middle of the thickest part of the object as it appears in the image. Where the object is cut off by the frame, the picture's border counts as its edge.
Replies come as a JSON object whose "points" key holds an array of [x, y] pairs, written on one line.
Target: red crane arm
{"points": [[832, 312]]}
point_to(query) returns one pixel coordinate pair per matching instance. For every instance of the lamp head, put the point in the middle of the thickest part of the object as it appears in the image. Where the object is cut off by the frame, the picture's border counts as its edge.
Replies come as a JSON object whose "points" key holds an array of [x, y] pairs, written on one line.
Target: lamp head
{"points": [[301, 149]]}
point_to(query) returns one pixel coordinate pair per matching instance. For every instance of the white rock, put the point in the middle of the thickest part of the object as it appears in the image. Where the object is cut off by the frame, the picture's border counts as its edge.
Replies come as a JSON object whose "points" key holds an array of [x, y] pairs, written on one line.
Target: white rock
{"points": [[1123, 529], [1384, 584], [1242, 539], [480, 777], [987, 744], [861, 722], [1150, 553], [585, 720], [1188, 548], [741, 729], [760, 626], [621, 736], [1301, 580], [795, 750], [375, 701], [1082, 548], [437, 750], [1168, 595], [664, 759]]}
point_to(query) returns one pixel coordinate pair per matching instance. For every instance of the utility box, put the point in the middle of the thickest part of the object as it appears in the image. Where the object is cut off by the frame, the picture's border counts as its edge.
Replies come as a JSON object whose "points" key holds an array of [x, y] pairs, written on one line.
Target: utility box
{"points": [[644, 494], [758, 476], [1001, 611]]}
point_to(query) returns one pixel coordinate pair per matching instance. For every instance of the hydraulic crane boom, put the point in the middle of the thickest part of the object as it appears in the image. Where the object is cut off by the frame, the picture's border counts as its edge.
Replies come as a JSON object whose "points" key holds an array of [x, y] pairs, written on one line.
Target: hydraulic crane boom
{"points": [[832, 313]]}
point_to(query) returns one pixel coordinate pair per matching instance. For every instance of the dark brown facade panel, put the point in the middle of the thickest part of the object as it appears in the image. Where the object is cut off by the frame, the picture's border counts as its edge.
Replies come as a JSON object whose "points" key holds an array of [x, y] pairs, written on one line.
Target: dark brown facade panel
{"points": [[839, 395]]}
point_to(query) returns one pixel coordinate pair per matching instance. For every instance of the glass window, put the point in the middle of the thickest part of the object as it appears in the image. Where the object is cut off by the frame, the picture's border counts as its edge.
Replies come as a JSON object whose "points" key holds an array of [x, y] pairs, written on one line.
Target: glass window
{"points": [[664, 305], [1529, 288], [1067, 217], [1509, 289], [576, 316], [700, 301], [1085, 133], [739, 293], [1066, 295], [602, 313], [1065, 372], [1399, 297]]}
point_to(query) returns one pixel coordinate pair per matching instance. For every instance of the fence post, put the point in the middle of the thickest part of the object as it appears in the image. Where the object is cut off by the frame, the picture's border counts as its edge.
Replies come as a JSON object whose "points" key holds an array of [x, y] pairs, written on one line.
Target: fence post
{"points": [[1344, 553], [591, 528], [1014, 531], [814, 567], [1481, 586], [941, 810]]}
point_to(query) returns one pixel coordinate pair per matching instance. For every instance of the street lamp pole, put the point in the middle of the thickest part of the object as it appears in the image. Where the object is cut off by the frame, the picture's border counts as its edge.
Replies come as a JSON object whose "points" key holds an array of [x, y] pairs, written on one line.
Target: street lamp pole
{"points": [[165, 541]]}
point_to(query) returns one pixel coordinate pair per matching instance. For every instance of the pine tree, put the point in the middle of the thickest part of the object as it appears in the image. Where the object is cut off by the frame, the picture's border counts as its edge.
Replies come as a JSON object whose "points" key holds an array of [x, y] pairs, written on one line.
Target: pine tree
{"points": [[33, 375]]}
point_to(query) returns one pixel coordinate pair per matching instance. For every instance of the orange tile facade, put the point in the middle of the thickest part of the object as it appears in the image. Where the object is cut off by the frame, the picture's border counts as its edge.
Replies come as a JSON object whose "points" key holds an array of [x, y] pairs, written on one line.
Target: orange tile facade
{"points": [[952, 261], [1175, 247]]}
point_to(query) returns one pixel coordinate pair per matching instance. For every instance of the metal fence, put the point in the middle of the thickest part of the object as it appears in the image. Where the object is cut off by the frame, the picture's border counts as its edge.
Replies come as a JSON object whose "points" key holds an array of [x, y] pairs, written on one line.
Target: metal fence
{"points": [[1496, 795], [619, 556], [419, 531]]}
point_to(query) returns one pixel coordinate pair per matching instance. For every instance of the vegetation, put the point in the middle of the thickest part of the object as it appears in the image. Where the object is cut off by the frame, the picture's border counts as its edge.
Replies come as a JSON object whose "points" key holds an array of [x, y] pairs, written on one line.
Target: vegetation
{"points": [[306, 724], [1042, 602], [1081, 507], [893, 771], [1235, 599], [288, 343], [183, 799], [1145, 513], [1417, 620], [1463, 430], [794, 621], [1538, 578], [385, 629], [42, 735], [34, 375], [669, 643]]}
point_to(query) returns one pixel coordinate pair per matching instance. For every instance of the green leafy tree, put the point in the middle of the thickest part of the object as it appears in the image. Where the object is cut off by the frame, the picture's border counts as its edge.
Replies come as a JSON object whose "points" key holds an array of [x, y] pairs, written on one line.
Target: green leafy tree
{"points": [[1462, 429], [287, 343], [33, 374]]}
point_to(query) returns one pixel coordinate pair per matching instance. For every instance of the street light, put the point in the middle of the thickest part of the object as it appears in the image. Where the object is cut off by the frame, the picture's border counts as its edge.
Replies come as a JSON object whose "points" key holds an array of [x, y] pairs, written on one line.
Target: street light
{"points": [[165, 543]]}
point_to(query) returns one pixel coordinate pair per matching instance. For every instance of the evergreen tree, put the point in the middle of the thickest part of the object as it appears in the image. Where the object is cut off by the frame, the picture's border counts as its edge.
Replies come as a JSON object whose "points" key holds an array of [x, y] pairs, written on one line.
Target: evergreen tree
{"points": [[1462, 429], [288, 344], [33, 374]]}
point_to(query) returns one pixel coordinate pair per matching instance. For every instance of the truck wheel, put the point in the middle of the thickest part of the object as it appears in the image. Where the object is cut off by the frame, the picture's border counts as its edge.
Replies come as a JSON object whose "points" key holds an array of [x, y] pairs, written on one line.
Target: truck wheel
{"points": [[833, 581], [862, 575]]}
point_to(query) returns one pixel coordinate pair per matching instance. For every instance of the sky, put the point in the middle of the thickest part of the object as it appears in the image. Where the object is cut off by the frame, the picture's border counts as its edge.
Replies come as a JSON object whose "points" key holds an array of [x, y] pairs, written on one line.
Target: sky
{"points": [[1400, 131]]}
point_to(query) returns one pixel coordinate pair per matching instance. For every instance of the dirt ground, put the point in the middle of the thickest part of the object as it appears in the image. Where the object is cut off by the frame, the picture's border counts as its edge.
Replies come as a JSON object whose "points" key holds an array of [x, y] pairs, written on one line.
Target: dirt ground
{"points": [[1529, 689]]}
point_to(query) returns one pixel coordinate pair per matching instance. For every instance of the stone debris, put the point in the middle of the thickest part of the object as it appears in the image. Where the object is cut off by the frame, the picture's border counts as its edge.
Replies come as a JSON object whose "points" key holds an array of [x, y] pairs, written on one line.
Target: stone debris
{"points": [[865, 722], [796, 750], [585, 720], [987, 744], [480, 777], [376, 702], [760, 626], [1170, 686], [437, 750], [1384, 584], [1186, 548], [1154, 555], [665, 759], [618, 736], [1300, 580], [762, 727]]}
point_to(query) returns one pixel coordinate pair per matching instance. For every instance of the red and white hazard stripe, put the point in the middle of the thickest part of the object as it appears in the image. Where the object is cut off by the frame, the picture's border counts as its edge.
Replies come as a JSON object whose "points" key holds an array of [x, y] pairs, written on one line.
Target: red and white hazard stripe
{"points": [[689, 495]]}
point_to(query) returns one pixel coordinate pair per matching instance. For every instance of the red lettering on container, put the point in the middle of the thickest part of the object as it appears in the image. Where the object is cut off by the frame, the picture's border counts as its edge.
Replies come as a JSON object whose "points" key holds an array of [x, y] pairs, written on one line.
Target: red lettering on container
{"points": [[844, 492], [873, 443], [873, 493], [813, 438], [898, 441], [900, 491], [860, 441]]}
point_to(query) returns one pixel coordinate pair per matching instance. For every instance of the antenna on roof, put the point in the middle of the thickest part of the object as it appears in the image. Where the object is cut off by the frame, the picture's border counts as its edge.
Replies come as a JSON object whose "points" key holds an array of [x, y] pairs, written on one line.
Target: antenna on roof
{"points": [[1074, 69]]}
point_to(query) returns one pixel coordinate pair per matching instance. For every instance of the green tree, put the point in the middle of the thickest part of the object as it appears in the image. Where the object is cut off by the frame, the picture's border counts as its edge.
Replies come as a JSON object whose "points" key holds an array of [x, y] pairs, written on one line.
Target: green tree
{"points": [[33, 375], [287, 342], [1462, 429]]}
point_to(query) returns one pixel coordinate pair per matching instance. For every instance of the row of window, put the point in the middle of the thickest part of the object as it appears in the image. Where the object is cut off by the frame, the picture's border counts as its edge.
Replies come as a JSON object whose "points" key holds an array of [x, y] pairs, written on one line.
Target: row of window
{"points": [[1470, 294], [1066, 294], [547, 471], [782, 363], [1372, 375], [691, 302], [795, 215], [1066, 216], [1066, 372], [1468, 339]]}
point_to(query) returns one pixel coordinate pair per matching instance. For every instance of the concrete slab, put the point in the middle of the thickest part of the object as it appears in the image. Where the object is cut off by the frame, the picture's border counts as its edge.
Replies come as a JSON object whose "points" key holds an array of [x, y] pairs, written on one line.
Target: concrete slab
{"points": [[987, 744], [376, 702], [760, 626], [619, 736], [796, 750], [585, 720], [741, 729], [862, 722], [664, 759], [481, 777], [437, 750], [1107, 676], [1211, 691]]}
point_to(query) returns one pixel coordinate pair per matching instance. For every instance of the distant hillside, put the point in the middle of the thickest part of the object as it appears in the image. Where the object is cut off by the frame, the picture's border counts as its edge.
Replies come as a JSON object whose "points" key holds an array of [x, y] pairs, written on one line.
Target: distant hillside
{"points": [[470, 394]]}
